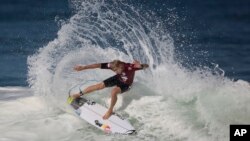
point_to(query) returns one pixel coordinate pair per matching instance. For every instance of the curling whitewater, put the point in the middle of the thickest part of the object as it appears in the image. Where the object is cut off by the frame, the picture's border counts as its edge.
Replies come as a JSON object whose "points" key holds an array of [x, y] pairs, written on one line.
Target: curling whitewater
{"points": [[31, 118], [155, 117], [167, 102]]}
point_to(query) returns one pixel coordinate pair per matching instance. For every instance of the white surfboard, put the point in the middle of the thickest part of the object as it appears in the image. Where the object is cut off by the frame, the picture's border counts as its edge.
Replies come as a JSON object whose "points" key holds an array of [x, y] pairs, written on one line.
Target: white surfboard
{"points": [[93, 112]]}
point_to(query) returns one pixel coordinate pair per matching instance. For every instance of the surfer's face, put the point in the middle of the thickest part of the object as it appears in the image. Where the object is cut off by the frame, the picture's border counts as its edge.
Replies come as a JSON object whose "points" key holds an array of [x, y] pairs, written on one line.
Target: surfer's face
{"points": [[119, 69]]}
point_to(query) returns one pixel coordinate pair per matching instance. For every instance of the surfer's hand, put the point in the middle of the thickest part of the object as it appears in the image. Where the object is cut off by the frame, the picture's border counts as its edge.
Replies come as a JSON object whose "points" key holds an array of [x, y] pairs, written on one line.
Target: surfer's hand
{"points": [[136, 64], [144, 66], [79, 68]]}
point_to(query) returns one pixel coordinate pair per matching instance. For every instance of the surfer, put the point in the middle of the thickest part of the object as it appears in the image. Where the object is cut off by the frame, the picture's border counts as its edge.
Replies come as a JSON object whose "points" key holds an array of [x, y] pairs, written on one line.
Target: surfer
{"points": [[121, 82]]}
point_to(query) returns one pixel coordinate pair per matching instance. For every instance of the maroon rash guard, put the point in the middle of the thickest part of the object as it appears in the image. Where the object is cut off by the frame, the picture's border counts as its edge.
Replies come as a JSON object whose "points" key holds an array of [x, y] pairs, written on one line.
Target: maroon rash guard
{"points": [[127, 76]]}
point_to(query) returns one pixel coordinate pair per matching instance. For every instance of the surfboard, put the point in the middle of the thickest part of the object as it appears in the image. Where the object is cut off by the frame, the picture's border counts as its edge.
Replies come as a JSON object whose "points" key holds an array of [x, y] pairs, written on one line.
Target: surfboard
{"points": [[92, 112]]}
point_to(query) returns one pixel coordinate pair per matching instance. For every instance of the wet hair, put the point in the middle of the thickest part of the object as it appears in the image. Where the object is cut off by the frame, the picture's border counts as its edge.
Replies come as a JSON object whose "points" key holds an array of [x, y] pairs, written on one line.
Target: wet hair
{"points": [[116, 64]]}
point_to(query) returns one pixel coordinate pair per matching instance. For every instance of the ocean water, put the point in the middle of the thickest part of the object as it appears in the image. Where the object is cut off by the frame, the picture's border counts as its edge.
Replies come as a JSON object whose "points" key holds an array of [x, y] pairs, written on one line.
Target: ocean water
{"points": [[196, 86]]}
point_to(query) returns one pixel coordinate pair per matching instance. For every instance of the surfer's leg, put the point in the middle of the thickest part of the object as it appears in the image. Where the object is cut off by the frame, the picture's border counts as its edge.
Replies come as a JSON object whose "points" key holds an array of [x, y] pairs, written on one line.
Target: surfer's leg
{"points": [[95, 87], [89, 89], [114, 94]]}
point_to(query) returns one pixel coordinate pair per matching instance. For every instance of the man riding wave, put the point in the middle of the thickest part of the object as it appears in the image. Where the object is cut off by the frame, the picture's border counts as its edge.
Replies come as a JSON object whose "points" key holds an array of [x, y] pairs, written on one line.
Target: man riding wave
{"points": [[121, 81]]}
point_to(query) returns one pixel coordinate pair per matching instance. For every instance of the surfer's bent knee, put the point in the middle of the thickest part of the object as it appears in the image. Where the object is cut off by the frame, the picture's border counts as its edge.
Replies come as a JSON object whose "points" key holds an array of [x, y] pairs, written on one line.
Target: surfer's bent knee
{"points": [[116, 91], [101, 85]]}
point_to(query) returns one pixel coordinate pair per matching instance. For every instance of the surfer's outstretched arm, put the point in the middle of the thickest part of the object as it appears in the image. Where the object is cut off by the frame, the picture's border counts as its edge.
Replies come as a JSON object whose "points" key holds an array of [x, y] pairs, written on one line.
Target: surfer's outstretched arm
{"points": [[139, 66], [92, 66]]}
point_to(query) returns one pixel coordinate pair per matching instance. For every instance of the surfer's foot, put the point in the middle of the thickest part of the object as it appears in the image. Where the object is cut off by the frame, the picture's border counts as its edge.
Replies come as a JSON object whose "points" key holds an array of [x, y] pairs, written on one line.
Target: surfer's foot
{"points": [[78, 95], [108, 114], [74, 96]]}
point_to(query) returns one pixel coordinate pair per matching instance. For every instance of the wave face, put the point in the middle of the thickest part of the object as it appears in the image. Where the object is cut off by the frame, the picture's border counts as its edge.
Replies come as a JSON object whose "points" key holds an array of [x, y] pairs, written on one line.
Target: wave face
{"points": [[167, 102]]}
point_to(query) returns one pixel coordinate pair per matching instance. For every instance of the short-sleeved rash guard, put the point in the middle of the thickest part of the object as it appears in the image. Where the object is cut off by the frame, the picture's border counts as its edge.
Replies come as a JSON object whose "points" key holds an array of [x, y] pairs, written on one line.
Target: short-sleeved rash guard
{"points": [[127, 76]]}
